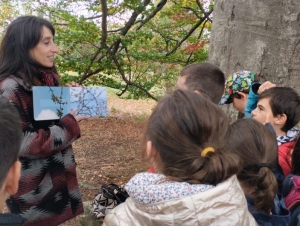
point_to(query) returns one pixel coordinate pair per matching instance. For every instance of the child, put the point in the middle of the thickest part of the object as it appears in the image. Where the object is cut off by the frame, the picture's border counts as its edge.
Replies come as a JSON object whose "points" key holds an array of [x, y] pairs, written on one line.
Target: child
{"points": [[255, 90], [194, 181], [10, 167], [282, 107], [291, 186], [237, 87], [256, 146], [204, 78]]}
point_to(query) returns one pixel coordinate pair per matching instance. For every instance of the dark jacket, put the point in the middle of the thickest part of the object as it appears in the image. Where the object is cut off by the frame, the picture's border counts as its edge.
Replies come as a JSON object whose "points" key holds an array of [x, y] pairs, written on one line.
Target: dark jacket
{"points": [[280, 215], [10, 219], [48, 191], [277, 170]]}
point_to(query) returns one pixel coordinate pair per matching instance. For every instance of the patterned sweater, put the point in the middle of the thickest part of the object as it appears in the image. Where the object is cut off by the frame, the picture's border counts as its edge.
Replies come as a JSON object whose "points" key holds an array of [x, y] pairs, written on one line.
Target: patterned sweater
{"points": [[48, 191]]}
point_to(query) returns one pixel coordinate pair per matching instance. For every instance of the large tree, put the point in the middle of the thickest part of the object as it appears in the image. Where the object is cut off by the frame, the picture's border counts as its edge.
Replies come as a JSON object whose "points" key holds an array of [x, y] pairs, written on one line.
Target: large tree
{"points": [[262, 36], [136, 46]]}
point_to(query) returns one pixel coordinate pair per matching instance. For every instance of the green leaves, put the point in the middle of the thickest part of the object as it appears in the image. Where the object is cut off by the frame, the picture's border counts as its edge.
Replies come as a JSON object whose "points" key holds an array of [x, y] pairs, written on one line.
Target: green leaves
{"points": [[156, 45]]}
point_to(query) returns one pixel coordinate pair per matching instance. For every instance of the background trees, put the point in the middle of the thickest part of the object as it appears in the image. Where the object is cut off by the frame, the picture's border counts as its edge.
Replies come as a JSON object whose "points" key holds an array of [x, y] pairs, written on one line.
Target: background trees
{"points": [[135, 46]]}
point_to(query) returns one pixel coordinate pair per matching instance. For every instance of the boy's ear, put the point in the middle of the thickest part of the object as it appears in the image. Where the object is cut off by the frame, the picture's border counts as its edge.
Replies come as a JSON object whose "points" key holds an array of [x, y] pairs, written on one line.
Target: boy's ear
{"points": [[12, 179], [243, 96], [280, 119], [150, 150]]}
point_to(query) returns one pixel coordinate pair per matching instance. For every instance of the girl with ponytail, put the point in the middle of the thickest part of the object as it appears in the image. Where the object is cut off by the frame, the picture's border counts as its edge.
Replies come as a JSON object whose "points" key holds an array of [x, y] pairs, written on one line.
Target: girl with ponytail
{"points": [[194, 181], [256, 146]]}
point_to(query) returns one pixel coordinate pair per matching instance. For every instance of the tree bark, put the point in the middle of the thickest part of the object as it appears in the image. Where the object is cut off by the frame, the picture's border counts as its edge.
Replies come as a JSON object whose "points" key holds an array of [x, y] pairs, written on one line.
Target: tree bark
{"points": [[262, 36]]}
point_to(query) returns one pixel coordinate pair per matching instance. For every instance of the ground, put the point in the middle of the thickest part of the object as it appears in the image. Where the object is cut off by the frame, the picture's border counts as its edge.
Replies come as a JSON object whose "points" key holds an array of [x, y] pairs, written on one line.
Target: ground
{"points": [[109, 150]]}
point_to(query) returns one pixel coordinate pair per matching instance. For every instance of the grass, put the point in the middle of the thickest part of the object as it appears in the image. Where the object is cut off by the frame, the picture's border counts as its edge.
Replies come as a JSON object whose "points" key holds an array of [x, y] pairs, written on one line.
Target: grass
{"points": [[142, 118], [111, 90]]}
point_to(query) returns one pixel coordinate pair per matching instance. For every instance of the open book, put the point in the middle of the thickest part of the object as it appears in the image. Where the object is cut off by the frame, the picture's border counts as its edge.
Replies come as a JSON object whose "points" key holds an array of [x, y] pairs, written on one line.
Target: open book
{"points": [[51, 102]]}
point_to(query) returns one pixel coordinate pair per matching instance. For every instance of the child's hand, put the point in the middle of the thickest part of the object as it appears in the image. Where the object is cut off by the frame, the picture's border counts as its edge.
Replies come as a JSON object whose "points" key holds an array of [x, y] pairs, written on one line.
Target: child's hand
{"points": [[264, 86]]}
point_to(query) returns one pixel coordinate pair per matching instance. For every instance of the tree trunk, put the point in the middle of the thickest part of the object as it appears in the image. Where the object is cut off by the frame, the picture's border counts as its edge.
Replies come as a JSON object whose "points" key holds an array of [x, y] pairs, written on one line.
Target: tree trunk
{"points": [[262, 36]]}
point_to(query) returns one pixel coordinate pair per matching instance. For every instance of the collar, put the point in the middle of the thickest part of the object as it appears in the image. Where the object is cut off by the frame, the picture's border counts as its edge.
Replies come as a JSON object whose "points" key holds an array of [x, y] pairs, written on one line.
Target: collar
{"points": [[291, 135], [147, 188]]}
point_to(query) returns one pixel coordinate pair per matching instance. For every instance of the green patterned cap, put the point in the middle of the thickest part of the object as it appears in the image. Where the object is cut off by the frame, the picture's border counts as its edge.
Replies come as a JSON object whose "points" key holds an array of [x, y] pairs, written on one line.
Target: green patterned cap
{"points": [[237, 82]]}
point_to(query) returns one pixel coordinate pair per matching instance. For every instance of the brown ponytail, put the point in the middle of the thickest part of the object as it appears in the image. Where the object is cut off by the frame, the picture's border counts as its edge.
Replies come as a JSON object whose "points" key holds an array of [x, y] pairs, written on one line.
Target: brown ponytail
{"points": [[266, 188], [257, 148], [181, 126], [214, 168]]}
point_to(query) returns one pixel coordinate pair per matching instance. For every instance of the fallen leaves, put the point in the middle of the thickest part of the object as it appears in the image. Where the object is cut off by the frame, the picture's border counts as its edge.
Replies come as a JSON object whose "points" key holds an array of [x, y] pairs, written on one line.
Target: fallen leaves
{"points": [[109, 150]]}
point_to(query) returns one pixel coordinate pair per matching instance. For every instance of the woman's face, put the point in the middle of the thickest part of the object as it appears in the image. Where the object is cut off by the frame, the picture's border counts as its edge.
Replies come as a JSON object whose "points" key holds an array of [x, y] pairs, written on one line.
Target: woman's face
{"points": [[43, 53]]}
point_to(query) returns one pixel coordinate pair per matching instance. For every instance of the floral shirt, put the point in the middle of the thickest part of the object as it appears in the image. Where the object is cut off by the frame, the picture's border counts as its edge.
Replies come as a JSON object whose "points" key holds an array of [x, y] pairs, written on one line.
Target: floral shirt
{"points": [[147, 188]]}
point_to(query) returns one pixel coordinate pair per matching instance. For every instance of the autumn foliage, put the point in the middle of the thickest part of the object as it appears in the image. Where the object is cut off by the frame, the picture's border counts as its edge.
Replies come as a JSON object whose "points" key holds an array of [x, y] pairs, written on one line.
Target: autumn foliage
{"points": [[134, 46]]}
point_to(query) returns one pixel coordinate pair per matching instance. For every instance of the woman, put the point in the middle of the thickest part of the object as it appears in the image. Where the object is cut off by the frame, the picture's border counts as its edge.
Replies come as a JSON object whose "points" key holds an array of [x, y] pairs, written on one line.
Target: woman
{"points": [[48, 191]]}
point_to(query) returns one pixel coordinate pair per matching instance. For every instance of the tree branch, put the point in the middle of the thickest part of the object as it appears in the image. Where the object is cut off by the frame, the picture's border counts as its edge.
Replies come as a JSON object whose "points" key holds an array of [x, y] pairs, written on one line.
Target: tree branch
{"points": [[59, 24], [115, 60], [133, 17], [104, 23], [166, 39], [123, 91], [194, 11], [117, 30], [206, 14], [86, 75], [93, 17], [200, 34], [102, 43], [187, 35], [130, 23], [159, 6]]}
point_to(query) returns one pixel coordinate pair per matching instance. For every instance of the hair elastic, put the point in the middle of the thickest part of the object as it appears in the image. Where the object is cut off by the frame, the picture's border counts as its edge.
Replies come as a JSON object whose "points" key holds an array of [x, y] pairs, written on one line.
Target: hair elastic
{"points": [[207, 150], [262, 165]]}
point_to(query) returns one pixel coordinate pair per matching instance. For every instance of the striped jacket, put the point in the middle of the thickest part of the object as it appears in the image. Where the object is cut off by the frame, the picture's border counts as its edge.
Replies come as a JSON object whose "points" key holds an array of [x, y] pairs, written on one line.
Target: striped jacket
{"points": [[48, 191]]}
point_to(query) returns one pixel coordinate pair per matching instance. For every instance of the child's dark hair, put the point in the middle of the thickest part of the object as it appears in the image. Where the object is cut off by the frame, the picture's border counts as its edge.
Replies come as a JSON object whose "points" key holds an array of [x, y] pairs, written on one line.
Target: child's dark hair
{"points": [[256, 146], [10, 138], [181, 126], [205, 78], [284, 100]]}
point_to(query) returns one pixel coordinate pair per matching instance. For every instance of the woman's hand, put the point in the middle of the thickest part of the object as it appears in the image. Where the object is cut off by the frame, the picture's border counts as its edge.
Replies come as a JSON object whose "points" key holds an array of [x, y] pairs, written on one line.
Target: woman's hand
{"points": [[73, 84], [78, 118]]}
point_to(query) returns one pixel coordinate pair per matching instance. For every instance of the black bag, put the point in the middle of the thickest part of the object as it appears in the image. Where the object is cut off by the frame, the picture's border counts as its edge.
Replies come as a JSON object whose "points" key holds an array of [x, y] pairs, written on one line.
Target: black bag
{"points": [[109, 196]]}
